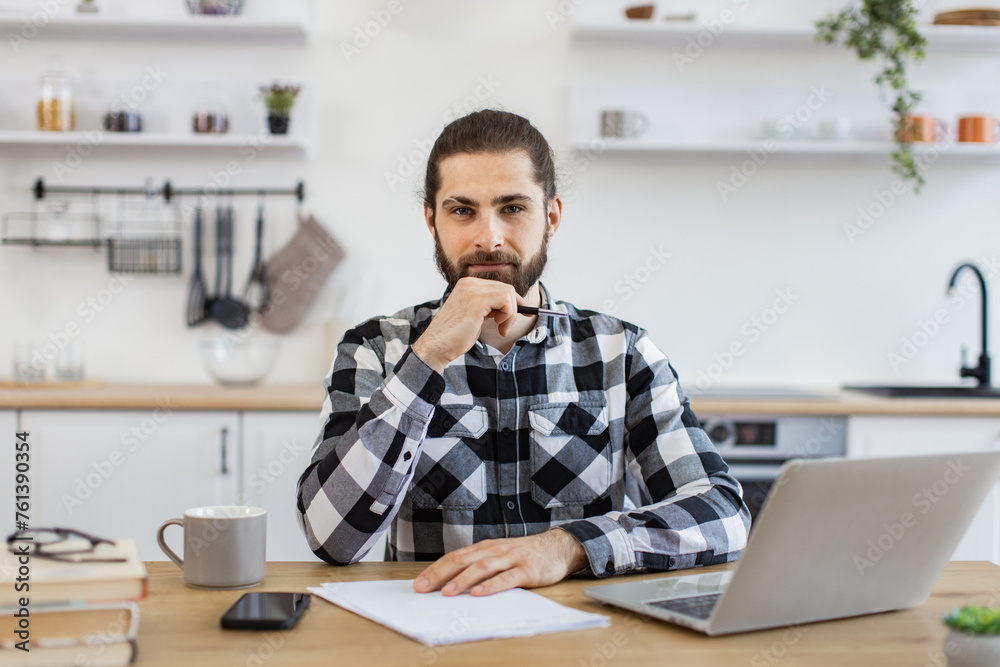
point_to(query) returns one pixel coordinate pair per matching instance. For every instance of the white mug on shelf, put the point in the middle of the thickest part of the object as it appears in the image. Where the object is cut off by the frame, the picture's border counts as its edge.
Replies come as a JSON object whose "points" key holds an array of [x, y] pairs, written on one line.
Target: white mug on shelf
{"points": [[623, 124], [836, 129]]}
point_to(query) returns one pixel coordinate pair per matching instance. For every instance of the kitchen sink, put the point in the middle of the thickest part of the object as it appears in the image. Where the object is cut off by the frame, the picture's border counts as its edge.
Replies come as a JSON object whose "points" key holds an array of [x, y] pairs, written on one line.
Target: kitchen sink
{"points": [[917, 391]]}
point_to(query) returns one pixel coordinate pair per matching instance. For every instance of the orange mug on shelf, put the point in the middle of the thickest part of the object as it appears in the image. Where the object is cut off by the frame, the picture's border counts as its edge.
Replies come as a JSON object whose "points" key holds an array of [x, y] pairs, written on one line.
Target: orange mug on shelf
{"points": [[923, 128], [979, 128]]}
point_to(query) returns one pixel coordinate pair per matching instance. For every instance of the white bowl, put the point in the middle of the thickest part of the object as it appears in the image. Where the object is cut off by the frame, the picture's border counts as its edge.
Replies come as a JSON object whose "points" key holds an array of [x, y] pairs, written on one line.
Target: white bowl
{"points": [[236, 363]]}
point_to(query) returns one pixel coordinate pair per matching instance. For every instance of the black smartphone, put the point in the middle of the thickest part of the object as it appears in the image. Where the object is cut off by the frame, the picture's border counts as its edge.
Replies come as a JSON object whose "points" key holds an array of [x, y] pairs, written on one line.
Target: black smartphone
{"points": [[266, 611]]}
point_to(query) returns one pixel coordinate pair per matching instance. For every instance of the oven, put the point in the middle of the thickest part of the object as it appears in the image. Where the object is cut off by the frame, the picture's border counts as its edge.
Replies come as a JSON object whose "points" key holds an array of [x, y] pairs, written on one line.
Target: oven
{"points": [[756, 446]]}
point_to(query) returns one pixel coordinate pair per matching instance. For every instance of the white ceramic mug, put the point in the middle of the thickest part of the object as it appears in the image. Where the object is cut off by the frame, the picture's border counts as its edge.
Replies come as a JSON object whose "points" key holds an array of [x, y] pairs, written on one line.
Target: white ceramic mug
{"points": [[224, 546], [839, 128], [623, 124]]}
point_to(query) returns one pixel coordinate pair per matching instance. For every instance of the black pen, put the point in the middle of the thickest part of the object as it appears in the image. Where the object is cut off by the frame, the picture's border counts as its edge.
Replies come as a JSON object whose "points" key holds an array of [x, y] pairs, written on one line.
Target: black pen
{"points": [[542, 312]]}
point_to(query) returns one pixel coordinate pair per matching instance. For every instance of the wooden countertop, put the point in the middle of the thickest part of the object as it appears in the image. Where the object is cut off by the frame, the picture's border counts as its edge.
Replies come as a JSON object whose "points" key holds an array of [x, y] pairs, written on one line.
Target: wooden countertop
{"points": [[309, 398], [846, 403], [304, 397], [180, 625]]}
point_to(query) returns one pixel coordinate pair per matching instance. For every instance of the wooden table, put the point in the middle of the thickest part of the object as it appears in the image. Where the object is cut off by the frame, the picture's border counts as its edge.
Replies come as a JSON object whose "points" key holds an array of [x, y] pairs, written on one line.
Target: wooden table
{"points": [[308, 397], [179, 626]]}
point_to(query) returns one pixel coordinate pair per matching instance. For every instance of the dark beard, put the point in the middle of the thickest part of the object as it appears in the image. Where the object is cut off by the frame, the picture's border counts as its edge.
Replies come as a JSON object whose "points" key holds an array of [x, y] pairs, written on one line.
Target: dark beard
{"points": [[521, 277]]}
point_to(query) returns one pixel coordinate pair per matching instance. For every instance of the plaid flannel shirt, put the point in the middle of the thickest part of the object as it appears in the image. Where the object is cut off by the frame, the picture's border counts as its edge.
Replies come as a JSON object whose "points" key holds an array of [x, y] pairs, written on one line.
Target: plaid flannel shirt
{"points": [[581, 425]]}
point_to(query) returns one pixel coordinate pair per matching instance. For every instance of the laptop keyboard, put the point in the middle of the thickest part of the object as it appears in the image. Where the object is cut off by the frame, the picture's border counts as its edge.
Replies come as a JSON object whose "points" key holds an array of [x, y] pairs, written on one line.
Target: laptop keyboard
{"points": [[698, 606]]}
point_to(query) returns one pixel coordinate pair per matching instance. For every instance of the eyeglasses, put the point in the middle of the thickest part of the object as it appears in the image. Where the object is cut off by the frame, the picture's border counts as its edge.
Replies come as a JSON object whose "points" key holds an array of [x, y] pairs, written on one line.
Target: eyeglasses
{"points": [[62, 544]]}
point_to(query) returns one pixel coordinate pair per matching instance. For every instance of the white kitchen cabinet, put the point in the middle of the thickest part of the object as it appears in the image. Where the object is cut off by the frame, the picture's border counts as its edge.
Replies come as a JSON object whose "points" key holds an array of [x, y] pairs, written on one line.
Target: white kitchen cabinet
{"points": [[123, 473], [276, 450], [8, 427], [905, 436]]}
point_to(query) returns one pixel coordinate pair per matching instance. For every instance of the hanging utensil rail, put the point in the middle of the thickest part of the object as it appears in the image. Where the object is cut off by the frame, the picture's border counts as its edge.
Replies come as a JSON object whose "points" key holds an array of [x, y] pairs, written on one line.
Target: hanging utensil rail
{"points": [[167, 191]]}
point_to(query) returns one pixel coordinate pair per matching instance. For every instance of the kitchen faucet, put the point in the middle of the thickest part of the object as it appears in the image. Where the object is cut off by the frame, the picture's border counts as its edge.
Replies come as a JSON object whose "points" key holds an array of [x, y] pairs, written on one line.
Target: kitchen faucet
{"points": [[982, 371]]}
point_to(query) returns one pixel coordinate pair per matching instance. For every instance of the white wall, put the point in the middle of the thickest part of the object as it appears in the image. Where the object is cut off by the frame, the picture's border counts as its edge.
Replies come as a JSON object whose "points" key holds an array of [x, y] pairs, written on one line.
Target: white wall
{"points": [[784, 230]]}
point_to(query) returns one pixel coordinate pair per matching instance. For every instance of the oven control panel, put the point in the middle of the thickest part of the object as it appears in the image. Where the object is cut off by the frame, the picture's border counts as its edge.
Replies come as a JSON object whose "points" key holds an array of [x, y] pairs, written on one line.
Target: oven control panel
{"points": [[776, 437]]}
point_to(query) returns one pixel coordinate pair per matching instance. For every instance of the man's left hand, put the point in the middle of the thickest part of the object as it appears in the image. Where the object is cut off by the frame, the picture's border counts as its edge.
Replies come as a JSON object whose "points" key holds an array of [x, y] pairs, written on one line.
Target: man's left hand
{"points": [[492, 566]]}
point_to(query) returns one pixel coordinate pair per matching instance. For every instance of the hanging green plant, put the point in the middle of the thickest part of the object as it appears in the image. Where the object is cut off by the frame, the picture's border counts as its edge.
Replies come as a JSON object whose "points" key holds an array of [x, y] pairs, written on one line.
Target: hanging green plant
{"points": [[885, 30]]}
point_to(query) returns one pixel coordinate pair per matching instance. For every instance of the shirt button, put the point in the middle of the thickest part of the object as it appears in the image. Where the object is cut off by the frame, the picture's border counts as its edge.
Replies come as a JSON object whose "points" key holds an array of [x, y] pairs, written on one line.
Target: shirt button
{"points": [[506, 432], [610, 567], [504, 365], [510, 504], [671, 562], [407, 456]]}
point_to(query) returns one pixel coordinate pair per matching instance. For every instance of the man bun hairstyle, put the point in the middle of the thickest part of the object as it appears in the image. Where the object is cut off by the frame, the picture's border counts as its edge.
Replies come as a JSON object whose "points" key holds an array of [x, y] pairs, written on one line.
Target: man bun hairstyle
{"points": [[491, 131]]}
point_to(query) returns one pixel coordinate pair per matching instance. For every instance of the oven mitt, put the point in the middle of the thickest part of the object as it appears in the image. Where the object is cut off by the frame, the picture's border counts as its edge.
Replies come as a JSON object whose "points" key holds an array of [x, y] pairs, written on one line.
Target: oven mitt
{"points": [[296, 273]]}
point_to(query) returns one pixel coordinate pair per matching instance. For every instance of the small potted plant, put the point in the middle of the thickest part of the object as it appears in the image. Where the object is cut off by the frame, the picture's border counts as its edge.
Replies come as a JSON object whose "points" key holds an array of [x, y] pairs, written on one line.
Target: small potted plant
{"points": [[974, 638], [279, 101]]}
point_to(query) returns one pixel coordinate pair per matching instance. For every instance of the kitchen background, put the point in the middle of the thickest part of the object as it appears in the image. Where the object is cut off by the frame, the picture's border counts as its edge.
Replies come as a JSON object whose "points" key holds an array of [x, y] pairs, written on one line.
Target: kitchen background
{"points": [[788, 234]]}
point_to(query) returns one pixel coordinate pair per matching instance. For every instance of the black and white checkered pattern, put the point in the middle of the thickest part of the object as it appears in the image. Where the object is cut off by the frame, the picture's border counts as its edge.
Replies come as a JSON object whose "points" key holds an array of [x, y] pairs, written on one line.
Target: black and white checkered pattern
{"points": [[581, 425]]}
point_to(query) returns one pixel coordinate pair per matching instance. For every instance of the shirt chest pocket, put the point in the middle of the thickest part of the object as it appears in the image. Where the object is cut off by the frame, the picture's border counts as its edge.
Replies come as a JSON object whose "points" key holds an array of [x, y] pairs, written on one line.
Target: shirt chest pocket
{"points": [[450, 474], [570, 453]]}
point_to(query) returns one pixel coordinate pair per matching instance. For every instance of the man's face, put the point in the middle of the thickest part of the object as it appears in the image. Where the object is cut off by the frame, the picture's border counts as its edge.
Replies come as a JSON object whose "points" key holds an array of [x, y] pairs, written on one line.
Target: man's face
{"points": [[490, 219]]}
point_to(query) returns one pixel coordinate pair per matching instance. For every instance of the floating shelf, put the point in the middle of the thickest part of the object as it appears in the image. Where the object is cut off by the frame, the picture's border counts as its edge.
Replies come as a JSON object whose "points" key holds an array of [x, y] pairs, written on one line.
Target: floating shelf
{"points": [[215, 28], [626, 32], [289, 143], [963, 152], [72, 243]]}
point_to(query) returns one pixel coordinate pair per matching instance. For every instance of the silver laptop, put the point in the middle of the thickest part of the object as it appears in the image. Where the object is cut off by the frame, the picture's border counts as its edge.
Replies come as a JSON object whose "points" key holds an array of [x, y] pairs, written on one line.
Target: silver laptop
{"points": [[836, 538]]}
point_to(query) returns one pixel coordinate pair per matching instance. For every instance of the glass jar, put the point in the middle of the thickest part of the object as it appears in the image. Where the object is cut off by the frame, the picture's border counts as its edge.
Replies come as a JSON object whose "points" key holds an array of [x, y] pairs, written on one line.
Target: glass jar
{"points": [[56, 112]]}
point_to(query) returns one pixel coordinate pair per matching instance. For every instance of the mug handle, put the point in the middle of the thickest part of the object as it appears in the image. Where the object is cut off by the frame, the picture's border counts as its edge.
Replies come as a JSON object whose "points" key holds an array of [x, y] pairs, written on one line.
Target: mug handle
{"points": [[163, 544]]}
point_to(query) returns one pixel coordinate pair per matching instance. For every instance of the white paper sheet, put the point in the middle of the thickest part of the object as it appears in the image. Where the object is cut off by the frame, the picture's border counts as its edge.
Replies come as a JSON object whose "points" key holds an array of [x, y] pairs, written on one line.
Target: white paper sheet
{"points": [[432, 618]]}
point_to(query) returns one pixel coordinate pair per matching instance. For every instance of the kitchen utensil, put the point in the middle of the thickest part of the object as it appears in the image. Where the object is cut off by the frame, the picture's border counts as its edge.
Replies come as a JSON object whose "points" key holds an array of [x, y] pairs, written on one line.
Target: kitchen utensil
{"points": [[923, 128], [227, 311], [224, 546], [623, 124], [639, 12], [297, 272], [839, 128], [215, 7], [196, 305], [145, 236], [969, 16], [781, 127], [30, 363], [219, 268], [211, 122], [257, 291], [129, 254], [56, 109], [123, 121], [979, 128], [56, 221], [238, 363], [69, 362]]}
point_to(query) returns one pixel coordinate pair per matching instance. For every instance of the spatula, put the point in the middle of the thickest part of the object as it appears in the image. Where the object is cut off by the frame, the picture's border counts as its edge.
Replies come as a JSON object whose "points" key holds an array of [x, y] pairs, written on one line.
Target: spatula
{"points": [[196, 308], [227, 311], [257, 291]]}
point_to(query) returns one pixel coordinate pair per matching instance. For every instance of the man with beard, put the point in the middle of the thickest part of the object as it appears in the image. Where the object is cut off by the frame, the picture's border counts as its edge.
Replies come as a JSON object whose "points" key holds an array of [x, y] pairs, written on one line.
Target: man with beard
{"points": [[511, 449]]}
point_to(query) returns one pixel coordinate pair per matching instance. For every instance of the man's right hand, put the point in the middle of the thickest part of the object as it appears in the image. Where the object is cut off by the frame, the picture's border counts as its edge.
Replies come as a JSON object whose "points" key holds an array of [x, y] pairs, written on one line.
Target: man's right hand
{"points": [[457, 325]]}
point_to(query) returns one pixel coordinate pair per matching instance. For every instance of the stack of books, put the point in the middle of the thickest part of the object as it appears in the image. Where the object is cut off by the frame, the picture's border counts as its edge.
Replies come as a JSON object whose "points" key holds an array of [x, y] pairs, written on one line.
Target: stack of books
{"points": [[78, 613]]}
